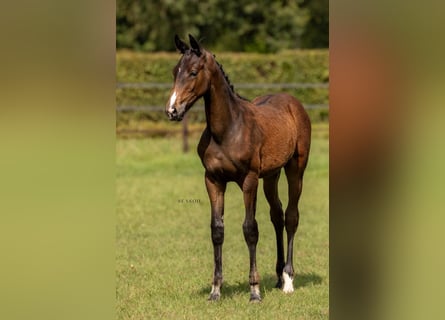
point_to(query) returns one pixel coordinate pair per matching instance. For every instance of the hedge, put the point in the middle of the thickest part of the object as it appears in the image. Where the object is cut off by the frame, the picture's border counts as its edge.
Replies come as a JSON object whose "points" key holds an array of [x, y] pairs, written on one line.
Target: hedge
{"points": [[300, 66]]}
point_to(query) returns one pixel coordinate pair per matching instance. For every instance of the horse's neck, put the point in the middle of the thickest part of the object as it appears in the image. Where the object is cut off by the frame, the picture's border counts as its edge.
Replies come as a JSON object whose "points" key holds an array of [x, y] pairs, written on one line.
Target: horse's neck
{"points": [[221, 106]]}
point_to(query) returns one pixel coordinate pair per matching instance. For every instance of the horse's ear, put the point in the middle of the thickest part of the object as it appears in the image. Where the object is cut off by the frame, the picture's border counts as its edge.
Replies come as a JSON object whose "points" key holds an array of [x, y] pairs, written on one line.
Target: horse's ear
{"points": [[195, 45], [181, 45]]}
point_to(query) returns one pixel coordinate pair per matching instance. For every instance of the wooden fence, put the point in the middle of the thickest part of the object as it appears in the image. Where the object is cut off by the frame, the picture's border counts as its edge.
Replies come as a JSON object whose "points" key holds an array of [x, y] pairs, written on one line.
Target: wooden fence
{"points": [[185, 130]]}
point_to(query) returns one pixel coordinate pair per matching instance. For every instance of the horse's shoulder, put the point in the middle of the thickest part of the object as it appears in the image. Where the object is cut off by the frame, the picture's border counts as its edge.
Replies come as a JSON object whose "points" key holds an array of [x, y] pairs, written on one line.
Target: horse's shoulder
{"points": [[204, 142]]}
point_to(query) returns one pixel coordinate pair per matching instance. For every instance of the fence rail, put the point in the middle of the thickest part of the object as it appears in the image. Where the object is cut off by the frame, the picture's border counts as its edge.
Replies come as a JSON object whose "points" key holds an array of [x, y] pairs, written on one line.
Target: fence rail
{"points": [[290, 85], [162, 85], [200, 107], [162, 108]]}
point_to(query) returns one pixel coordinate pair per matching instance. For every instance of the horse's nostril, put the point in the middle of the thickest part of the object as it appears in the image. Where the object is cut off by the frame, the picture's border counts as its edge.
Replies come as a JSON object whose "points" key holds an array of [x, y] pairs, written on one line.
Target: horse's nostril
{"points": [[172, 111]]}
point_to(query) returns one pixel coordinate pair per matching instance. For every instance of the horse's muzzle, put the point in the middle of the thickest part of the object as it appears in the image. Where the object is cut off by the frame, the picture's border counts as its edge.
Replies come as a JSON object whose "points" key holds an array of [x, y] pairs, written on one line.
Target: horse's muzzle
{"points": [[171, 113], [174, 115]]}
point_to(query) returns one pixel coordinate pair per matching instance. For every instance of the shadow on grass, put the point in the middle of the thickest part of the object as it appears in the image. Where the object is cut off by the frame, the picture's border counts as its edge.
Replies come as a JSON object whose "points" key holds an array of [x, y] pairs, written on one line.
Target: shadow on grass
{"points": [[268, 283]]}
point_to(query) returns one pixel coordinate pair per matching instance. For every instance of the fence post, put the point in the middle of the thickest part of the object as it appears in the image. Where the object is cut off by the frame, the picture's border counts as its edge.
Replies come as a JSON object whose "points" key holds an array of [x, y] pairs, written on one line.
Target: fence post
{"points": [[185, 133]]}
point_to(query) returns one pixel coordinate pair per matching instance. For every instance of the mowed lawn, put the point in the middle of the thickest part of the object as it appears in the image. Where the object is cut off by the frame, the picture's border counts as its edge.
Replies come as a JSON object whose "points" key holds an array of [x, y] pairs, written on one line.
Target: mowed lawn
{"points": [[164, 255]]}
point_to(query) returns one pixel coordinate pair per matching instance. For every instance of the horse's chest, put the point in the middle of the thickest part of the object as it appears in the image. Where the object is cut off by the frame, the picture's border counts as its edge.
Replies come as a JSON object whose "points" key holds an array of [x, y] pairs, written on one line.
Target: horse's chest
{"points": [[217, 161], [221, 162]]}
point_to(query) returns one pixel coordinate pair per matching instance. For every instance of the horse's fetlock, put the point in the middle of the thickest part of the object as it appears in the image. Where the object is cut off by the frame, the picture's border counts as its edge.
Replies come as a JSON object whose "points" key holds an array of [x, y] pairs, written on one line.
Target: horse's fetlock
{"points": [[289, 270]]}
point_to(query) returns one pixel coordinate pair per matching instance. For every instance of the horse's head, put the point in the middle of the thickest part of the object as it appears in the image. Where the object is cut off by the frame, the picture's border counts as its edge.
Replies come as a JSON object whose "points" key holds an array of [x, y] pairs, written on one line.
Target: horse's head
{"points": [[190, 79]]}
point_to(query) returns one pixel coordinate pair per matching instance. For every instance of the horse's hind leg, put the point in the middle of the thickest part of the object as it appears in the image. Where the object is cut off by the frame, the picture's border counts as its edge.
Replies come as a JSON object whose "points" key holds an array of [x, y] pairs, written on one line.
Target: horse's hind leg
{"points": [[270, 187], [294, 172]]}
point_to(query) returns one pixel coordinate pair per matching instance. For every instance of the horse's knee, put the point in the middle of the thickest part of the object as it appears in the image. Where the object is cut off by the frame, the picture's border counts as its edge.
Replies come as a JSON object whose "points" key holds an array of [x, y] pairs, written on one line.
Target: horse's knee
{"points": [[250, 230], [217, 228]]}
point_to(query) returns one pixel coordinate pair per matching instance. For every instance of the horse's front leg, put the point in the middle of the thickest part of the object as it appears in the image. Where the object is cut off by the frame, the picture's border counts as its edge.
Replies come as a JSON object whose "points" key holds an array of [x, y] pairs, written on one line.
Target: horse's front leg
{"points": [[216, 195], [250, 229]]}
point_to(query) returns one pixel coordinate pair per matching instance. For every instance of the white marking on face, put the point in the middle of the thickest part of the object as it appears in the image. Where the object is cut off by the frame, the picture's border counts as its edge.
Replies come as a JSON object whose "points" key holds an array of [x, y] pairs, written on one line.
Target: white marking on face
{"points": [[288, 287], [172, 102]]}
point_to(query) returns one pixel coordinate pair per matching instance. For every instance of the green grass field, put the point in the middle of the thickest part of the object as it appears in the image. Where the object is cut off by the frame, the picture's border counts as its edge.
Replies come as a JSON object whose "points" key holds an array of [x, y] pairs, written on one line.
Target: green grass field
{"points": [[164, 255]]}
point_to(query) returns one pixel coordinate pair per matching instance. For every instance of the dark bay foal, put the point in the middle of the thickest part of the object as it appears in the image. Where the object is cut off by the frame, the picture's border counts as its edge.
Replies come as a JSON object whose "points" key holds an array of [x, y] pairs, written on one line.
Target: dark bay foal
{"points": [[243, 142]]}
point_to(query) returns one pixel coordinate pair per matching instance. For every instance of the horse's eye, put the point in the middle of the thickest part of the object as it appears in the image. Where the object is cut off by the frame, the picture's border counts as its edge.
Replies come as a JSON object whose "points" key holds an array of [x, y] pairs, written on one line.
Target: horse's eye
{"points": [[194, 73]]}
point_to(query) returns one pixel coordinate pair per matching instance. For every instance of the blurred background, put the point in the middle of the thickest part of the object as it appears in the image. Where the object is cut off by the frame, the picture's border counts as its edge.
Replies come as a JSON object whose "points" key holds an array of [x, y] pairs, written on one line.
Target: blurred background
{"points": [[244, 25], [264, 46]]}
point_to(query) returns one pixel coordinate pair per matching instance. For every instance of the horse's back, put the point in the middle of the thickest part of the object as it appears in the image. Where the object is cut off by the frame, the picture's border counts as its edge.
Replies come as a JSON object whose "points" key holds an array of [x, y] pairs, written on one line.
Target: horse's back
{"points": [[281, 102], [282, 110]]}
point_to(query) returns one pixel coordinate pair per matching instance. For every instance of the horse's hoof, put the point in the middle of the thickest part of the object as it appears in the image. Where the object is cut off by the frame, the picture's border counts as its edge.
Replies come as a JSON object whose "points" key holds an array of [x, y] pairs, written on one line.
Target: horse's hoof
{"points": [[279, 284], [254, 298], [214, 297]]}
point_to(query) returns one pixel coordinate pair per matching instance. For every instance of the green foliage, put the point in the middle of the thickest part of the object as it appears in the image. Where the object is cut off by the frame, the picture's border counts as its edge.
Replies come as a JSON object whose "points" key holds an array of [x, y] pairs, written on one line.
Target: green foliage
{"points": [[316, 33], [300, 66], [242, 25], [164, 256], [286, 66]]}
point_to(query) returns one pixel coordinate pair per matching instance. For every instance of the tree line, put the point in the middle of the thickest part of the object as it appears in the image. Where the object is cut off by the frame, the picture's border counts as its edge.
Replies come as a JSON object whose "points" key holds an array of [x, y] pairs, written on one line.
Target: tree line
{"points": [[223, 25]]}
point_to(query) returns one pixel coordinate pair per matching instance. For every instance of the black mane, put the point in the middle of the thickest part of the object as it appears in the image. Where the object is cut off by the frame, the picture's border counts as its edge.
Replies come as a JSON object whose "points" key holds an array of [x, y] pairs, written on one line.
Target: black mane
{"points": [[228, 80], [225, 76]]}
